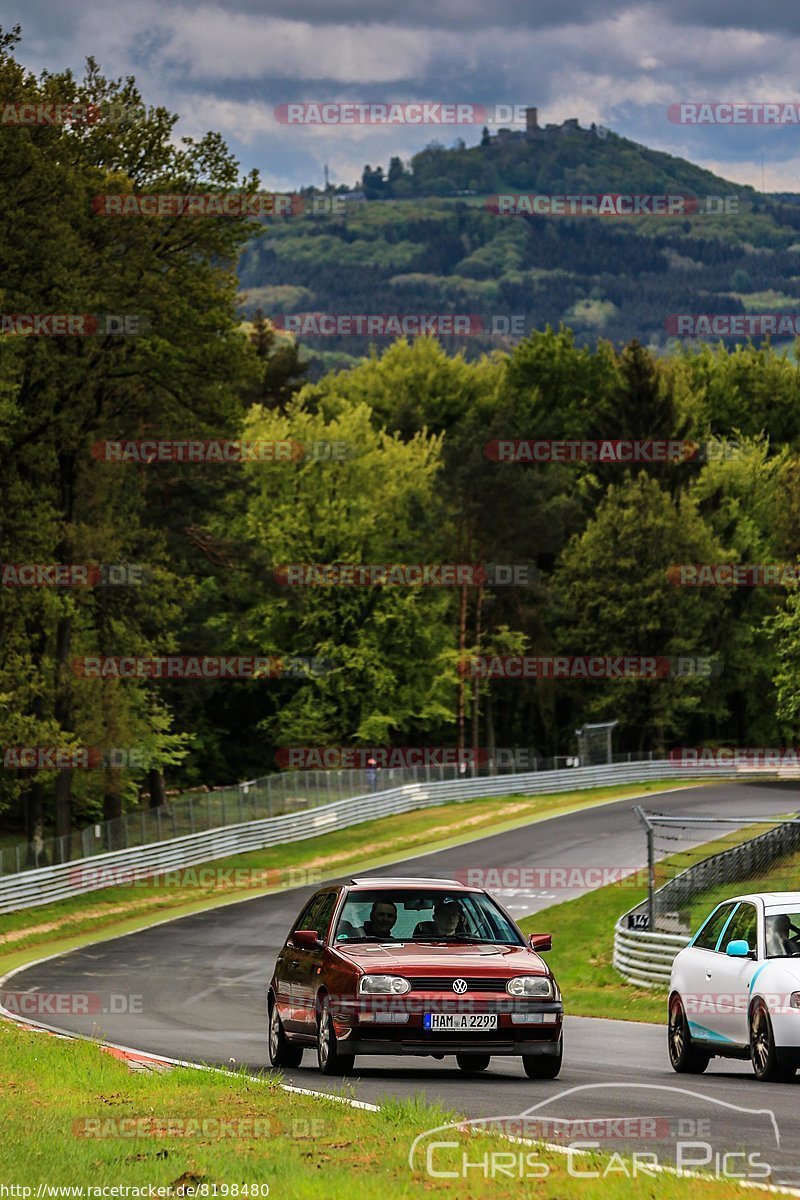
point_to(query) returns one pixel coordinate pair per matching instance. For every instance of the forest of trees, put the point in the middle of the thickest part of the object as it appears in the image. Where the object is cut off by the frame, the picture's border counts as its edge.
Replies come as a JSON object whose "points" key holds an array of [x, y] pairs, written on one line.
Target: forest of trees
{"points": [[414, 486], [617, 278]]}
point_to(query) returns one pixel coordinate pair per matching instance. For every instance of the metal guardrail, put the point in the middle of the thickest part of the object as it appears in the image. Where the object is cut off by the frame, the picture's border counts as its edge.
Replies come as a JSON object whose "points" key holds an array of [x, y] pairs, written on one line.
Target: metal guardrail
{"points": [[645, 956], [282, 792], [739, 862], [269, 796], [44, 885]]}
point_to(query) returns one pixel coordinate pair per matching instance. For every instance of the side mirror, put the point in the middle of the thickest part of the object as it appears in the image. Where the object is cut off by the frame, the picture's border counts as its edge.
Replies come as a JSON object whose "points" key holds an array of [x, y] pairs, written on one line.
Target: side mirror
{"points": [[540, 942], [738, 949], [306, 939]]}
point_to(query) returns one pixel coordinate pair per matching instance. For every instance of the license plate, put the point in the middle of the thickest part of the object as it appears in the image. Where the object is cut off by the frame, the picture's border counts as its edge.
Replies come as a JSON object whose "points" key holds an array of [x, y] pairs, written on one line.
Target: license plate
{"points": [[460, 1022]]}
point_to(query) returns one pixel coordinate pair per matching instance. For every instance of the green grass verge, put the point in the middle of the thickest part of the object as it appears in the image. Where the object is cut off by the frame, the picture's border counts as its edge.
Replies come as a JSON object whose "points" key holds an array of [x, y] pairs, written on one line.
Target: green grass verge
{"points": [[54, 1092], [67, 924]]}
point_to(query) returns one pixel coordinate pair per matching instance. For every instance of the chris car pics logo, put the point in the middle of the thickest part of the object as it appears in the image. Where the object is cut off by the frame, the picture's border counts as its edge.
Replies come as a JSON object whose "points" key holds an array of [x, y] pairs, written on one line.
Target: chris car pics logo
{"points": [[655, 1129]]}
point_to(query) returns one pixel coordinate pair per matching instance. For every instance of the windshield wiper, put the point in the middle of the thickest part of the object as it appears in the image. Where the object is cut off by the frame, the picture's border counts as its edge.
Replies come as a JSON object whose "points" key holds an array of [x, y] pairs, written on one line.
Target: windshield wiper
{"points": [[368, 937], [458, 937]]}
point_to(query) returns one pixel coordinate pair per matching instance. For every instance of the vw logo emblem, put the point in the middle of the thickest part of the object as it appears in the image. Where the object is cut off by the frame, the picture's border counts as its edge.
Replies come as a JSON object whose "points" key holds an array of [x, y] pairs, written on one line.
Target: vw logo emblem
{"points": [[459, 986]]}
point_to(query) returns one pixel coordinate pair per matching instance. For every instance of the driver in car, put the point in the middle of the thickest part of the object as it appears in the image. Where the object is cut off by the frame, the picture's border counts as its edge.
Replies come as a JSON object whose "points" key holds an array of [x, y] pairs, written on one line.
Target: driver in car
{"points": [[782, 942], [381, 920], [447, 918]]}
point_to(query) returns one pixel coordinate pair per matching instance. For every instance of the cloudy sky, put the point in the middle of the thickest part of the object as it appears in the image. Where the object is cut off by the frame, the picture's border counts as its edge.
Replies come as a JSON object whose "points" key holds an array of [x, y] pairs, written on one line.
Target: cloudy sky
{"points": [[621, 65]]}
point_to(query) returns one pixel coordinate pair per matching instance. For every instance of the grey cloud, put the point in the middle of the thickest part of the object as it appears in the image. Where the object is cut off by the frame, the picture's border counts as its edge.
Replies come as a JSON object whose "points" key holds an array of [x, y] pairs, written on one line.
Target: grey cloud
{"points": [[622, 64]]}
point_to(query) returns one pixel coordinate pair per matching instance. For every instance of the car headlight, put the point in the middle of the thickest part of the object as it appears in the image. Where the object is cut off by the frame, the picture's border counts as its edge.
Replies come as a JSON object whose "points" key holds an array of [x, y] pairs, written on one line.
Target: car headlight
{"points": [[383, 985], [530, 985]]}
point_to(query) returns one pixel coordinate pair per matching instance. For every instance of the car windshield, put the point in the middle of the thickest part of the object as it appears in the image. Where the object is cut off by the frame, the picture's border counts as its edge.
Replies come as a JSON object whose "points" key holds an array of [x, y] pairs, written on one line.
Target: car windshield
{"points": [[405, 915], [783, 935]]}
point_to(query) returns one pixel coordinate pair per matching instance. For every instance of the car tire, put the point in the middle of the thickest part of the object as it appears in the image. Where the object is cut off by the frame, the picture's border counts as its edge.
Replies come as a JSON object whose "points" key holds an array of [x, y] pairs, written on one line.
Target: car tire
{"points": [[469, 1061], [281, 1051], [329, 1059], [769, 1065], [684, 1056], [544, 1066]]}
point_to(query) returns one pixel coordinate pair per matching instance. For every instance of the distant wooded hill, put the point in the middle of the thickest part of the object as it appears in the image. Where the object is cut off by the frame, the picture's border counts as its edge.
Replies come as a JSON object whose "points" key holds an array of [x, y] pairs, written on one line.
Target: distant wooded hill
{"points": [[425, 240]]}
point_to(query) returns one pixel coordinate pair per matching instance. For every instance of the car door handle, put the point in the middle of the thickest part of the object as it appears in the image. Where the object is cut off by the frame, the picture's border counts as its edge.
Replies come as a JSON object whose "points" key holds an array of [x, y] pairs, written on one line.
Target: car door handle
{"points": [[295, 962], [708, 974]]}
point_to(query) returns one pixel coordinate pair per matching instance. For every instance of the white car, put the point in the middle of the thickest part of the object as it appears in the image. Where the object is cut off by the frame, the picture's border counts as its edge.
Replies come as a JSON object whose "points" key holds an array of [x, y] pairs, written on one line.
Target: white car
{"points": [[735, 989]]}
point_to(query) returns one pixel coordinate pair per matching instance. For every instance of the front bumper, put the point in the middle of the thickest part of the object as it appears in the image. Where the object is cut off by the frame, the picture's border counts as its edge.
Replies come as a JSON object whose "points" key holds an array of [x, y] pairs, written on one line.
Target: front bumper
{"points": [[395, 1026], [422, 1049]]}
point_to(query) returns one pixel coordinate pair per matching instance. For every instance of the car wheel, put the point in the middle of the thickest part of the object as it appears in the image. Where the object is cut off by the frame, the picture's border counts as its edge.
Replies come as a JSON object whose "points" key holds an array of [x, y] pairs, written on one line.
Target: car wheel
{"points": [[544, 1066], [684, 1056], [330, 1061], [281, 1051], [768, 1065], [473, 1062]]}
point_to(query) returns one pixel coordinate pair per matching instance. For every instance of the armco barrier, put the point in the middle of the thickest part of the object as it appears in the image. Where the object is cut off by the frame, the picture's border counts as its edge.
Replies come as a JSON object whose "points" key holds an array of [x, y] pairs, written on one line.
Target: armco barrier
{"points": [[284, 791], [46, 884], [644, 956]]}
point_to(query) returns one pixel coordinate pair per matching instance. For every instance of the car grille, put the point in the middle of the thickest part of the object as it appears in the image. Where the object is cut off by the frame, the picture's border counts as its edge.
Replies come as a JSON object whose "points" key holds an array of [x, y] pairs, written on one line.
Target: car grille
{"points": [[444, 983]]}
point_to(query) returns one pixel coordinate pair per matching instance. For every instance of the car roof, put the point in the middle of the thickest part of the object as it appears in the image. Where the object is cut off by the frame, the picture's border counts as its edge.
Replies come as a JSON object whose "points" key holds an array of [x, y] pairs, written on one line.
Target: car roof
{"points": [[407, 881], [770, 900], [781, 899]]}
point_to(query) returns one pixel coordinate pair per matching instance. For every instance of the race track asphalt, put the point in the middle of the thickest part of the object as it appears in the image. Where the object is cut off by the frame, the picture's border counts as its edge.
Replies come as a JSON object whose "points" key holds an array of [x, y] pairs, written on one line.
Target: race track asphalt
{"points": [[197, 985]]}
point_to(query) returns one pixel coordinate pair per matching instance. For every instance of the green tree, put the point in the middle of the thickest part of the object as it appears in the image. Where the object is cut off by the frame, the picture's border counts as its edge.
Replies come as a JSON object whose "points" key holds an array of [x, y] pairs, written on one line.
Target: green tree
{"points": [[611, 596], [61, 395], [384, 645], [783, 628], [280, 368]]}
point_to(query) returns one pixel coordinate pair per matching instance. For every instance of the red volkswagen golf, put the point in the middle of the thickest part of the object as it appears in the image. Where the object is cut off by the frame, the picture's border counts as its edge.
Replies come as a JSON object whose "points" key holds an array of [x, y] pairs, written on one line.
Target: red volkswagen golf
{"points": [[413, 966]]}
